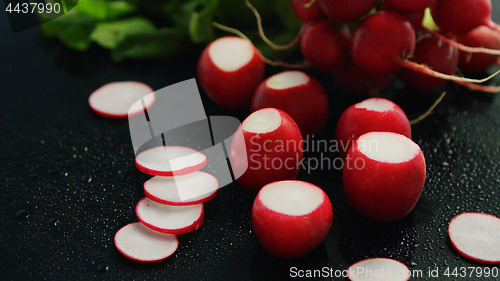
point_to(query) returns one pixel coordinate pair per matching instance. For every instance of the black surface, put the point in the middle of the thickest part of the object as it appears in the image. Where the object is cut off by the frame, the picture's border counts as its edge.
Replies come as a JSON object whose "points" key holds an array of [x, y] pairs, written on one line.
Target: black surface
{"points": [[68, 180]]}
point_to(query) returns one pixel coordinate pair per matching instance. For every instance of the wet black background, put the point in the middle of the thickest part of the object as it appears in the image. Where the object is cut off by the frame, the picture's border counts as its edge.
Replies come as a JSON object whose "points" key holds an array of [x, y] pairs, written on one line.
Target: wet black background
{"points": [[68, 180]]}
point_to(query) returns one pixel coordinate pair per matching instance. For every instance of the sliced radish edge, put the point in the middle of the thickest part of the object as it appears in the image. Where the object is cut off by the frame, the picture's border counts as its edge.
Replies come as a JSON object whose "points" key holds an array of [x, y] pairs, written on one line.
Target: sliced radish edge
{"points": [[139, 243], [154, 161], [378, 269], [175, 191], [119, 100], [476, 236], [165, 218]]}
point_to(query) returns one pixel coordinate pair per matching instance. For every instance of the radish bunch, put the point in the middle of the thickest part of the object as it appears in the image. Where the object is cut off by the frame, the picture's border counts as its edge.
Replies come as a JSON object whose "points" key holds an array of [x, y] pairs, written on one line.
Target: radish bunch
{"points": [[173, 204]]}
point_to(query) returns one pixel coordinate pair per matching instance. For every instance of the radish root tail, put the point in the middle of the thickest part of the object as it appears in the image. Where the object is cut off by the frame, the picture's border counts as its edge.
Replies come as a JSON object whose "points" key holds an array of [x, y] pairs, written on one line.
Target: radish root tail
{"points": [[462, 47], [481, 88], [428, 111]]}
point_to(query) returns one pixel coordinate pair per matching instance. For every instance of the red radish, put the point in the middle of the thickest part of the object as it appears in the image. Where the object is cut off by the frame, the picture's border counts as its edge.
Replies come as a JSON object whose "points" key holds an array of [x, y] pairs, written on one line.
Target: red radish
{"points": [[229, 70], [378, 269], [273, 145], [415, 18], [170, 160], [190, 189], [481, 36], [384, 175], [374, 114], [324, 45], [476, 236], [299, 95], [409, 6], [122, 99], [169, 219], [346, 10], [291, 218], [142, 244], [307, 10], [460, 16], [435, 54]]}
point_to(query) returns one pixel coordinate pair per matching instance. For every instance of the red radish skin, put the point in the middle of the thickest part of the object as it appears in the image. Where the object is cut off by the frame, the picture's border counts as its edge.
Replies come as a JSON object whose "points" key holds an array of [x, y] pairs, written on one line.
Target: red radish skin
{"points": [[323, 45], [481, 36], [374, 114], [375, 46], [194, 188], [169, 219], [307, 12], [291, 218], [229, 70], [387, 269], [386, 175], [299, 95], [409, 6], [273, 145], [476, 236], [460, 16], [435, 54], [170, 161], [121, 99], [142, 244], [346, 10], [415, 18]]}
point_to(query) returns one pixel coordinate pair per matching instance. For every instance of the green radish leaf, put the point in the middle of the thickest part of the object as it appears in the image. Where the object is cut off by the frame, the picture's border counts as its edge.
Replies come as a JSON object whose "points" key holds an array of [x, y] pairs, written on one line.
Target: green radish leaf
{"points": [[200, 23], [285, 12], [105, 10], [73, 29], [110, 34]]}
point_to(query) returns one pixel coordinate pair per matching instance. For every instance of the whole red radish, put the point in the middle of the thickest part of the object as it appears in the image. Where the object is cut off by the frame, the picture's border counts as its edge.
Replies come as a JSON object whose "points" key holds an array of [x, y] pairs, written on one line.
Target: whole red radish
{"points": [[435, 54], [384, 175], [415, 18], [299, 95], [409, 6], [346, 10], [268, 148], [481, 36], [373, 114], [461, 16], [307, 10], [323, 45], [291, 218], [381, 42], [229, 70]]}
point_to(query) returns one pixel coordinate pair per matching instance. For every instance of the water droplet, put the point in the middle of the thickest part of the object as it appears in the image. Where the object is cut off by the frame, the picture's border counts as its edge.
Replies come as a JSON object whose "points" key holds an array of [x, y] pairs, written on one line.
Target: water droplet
{"points": [[53, 222], [103, 268], [23, 214], [86, 179]]}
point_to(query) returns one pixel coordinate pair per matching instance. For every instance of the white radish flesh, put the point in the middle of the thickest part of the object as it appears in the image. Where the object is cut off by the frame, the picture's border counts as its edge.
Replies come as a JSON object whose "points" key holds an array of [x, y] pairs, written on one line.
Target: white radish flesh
{"points": [[121, 99], [169, 219], [476, 236], [142, 244], [378, 269], [190, 189], [170, 161]]}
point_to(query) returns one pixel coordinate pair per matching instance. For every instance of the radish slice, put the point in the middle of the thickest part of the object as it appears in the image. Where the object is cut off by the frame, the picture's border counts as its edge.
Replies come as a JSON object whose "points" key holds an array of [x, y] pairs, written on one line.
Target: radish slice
{"points": [[169, 219], [168, 161], [121, 99], [190, 189], [378, 269], [476, 236], [139, 243]]}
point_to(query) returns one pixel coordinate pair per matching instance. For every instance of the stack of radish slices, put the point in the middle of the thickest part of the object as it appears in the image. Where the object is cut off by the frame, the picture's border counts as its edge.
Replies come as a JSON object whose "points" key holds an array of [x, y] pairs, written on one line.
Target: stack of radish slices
{"points": [[174, 202]]}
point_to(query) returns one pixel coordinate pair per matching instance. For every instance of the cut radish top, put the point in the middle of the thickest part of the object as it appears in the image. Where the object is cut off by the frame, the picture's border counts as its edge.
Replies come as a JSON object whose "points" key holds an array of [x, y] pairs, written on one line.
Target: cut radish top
{"points": [[378, 269], [287, 79], [193, 188], [169, 219], [140, 243], [262, 121], [376, 104], [476, 236], [231, 53], [170, 160], [295, 198], [387, 147], [122, 99]]}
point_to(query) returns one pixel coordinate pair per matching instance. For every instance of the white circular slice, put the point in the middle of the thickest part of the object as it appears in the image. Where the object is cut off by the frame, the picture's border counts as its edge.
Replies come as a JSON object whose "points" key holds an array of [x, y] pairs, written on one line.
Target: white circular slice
{"points": [[190, 189], [121, 99], [476, 236], [378, 269], [231, 53], [140, 243], [387, 147], [169, 219], [170, 161]]}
